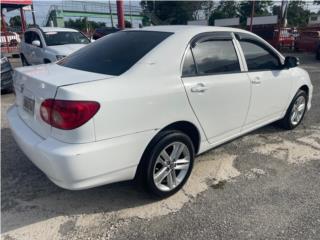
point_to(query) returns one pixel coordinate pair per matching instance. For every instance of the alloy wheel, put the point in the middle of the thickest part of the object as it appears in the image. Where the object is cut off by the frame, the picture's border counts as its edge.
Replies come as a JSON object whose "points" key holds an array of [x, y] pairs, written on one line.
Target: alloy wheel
{"points": [[171, 166], [298, 110]]}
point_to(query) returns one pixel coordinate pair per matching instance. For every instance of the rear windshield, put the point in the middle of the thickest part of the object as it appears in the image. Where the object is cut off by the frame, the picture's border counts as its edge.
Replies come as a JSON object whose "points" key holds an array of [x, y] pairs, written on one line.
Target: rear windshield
{"points": [[115, 53]]}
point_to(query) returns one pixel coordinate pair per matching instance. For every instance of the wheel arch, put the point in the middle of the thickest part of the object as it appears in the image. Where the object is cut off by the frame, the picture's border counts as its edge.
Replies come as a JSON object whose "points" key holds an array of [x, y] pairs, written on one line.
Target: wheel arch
{"points": [[305, 88], [186, 127]]}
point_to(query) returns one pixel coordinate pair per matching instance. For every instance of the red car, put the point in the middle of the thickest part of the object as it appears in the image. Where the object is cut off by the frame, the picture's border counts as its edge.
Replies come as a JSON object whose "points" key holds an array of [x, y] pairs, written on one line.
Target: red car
{"points": [[286, 38], [307, 41]]}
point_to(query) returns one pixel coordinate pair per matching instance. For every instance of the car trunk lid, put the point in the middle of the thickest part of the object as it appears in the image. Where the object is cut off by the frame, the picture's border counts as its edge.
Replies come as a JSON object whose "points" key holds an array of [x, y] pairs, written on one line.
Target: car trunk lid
{"points": [[35, 84]]}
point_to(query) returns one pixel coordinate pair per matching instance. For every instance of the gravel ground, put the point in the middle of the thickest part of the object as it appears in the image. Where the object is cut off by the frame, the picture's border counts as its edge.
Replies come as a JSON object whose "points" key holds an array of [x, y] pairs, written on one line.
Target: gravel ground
{"points": [[265, 185]]}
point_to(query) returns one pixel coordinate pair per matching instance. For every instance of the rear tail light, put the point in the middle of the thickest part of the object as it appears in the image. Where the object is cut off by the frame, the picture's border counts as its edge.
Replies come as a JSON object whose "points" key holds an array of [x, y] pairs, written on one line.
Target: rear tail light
{"points": [[67, 115]]}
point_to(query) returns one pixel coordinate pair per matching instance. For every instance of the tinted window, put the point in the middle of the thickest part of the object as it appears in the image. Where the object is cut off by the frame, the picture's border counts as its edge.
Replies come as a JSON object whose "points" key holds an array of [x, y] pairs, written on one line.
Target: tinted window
{"points": [[216, 56], [259, 57], [27, 37], [35, 36], [61, 38], [115, 53], [189, 68]]}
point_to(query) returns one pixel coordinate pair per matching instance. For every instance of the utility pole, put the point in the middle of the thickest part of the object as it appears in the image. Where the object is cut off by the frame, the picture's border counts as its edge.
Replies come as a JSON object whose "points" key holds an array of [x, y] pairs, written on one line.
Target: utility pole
{"points": [[252, 15], [120, 13], [280, 25], [110, 11], [23, 20], [33, 16]]}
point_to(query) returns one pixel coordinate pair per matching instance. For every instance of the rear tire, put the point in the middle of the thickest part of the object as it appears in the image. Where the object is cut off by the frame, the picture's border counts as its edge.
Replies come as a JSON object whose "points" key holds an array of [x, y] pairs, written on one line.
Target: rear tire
{"points": [[295, 112], [167, 164]]}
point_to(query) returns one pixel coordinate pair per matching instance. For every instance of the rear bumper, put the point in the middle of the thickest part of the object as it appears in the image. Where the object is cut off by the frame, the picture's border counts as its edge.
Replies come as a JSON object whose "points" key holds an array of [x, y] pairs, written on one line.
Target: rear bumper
{"points": [[80, 166]]}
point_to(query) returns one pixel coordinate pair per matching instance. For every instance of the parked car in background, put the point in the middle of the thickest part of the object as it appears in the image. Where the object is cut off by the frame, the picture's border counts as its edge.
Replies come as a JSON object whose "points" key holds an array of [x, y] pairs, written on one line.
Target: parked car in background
{"points": [[109, 114], [49, 44], [307, 41], [13, 39], [6, 75], [100, 32], [286, 38]]}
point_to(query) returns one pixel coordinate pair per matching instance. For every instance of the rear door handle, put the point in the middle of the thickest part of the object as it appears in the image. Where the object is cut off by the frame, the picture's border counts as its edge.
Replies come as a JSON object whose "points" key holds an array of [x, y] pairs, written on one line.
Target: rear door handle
{"points": [[200, 87]]}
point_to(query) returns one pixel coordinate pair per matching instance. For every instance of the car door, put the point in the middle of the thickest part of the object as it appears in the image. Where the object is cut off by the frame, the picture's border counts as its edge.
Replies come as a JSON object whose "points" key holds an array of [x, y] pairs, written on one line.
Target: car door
{"points": [[26, 46], [218, 91], [270, 81], [37, 52]]}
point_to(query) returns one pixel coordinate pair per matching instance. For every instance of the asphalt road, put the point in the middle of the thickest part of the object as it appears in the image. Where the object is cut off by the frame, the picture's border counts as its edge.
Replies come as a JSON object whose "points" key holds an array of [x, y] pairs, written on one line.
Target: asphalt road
{"points": [[265, 185]]}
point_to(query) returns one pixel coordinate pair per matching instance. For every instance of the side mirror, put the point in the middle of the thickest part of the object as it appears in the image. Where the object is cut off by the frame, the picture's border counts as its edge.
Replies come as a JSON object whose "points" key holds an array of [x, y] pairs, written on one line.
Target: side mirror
{"points": [[291, 62], [36, 43]]}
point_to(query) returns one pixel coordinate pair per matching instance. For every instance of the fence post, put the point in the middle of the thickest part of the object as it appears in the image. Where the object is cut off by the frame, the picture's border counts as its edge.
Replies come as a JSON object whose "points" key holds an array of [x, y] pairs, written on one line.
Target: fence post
{"points": [[4, 28], [120, 14]]}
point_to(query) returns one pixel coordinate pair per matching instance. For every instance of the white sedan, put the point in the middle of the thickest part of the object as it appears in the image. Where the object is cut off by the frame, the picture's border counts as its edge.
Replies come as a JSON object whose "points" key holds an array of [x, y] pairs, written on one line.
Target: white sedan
{"points": [[143, 103]]}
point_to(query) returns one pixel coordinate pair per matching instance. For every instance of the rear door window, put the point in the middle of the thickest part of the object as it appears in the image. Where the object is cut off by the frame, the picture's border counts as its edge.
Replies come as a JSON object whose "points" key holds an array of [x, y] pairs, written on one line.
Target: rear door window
{"points": [[115, 53]]}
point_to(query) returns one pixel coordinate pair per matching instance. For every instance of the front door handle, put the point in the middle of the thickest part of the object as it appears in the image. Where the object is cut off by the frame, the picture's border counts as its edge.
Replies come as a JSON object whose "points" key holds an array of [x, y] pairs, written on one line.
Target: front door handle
{"points": [[256, 81], [200, 87]]}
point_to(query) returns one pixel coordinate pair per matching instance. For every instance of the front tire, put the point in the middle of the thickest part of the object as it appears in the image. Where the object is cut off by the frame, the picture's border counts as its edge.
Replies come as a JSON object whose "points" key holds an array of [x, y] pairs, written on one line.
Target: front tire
{"points": [[167, 164], [296, 111], [24, 61], [318, 54]]}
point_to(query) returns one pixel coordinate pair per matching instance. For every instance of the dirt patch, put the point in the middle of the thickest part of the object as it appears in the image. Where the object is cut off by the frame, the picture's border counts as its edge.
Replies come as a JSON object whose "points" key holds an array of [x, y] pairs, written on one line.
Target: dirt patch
{"points": [[218, 168], [295, 152]]}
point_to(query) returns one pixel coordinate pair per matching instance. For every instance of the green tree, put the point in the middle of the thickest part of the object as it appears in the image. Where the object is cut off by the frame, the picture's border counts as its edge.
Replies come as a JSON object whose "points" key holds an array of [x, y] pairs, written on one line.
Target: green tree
{"points": [[298, 16], [170, 12], [224, 9], [83, 24], [261, 8], [127, 24], [15, 21]]}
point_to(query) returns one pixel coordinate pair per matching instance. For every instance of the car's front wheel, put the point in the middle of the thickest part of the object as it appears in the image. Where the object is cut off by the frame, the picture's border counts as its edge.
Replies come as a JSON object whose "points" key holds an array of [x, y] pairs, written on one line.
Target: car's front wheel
{"points": [[167, 164], [24, 61], [296, 111]]}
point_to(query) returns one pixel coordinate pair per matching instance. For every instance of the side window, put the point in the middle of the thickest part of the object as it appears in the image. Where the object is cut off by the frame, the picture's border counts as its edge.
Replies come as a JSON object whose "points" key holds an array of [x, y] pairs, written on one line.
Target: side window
{"points": [[27, 37], [258, 57], [215, 56], [36, 37], [189, 68]]}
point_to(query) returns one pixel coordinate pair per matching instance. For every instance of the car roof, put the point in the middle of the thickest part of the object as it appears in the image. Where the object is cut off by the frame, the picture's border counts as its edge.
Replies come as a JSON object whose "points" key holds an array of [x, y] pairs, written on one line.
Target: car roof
{"points": [[54, 29], [192, 29]]}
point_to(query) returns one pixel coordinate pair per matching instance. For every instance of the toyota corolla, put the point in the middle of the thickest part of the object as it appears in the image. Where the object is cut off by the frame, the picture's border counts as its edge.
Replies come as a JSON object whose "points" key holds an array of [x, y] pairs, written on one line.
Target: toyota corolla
{"points": [[141, 104]]}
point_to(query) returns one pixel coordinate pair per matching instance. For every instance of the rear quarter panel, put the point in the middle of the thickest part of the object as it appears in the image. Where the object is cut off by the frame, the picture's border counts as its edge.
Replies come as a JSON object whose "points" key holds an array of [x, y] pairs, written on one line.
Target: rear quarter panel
{"points": [[133, 105]]}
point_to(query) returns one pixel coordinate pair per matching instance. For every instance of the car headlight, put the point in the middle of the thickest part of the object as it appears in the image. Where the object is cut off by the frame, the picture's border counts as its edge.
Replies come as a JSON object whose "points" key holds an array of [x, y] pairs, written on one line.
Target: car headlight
{"points": [[4, 60], [59, 57]]}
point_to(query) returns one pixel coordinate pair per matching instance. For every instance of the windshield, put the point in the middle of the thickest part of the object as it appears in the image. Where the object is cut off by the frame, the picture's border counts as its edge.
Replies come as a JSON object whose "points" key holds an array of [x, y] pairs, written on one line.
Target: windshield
{"points": [[115, 53], [61, 38]]}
